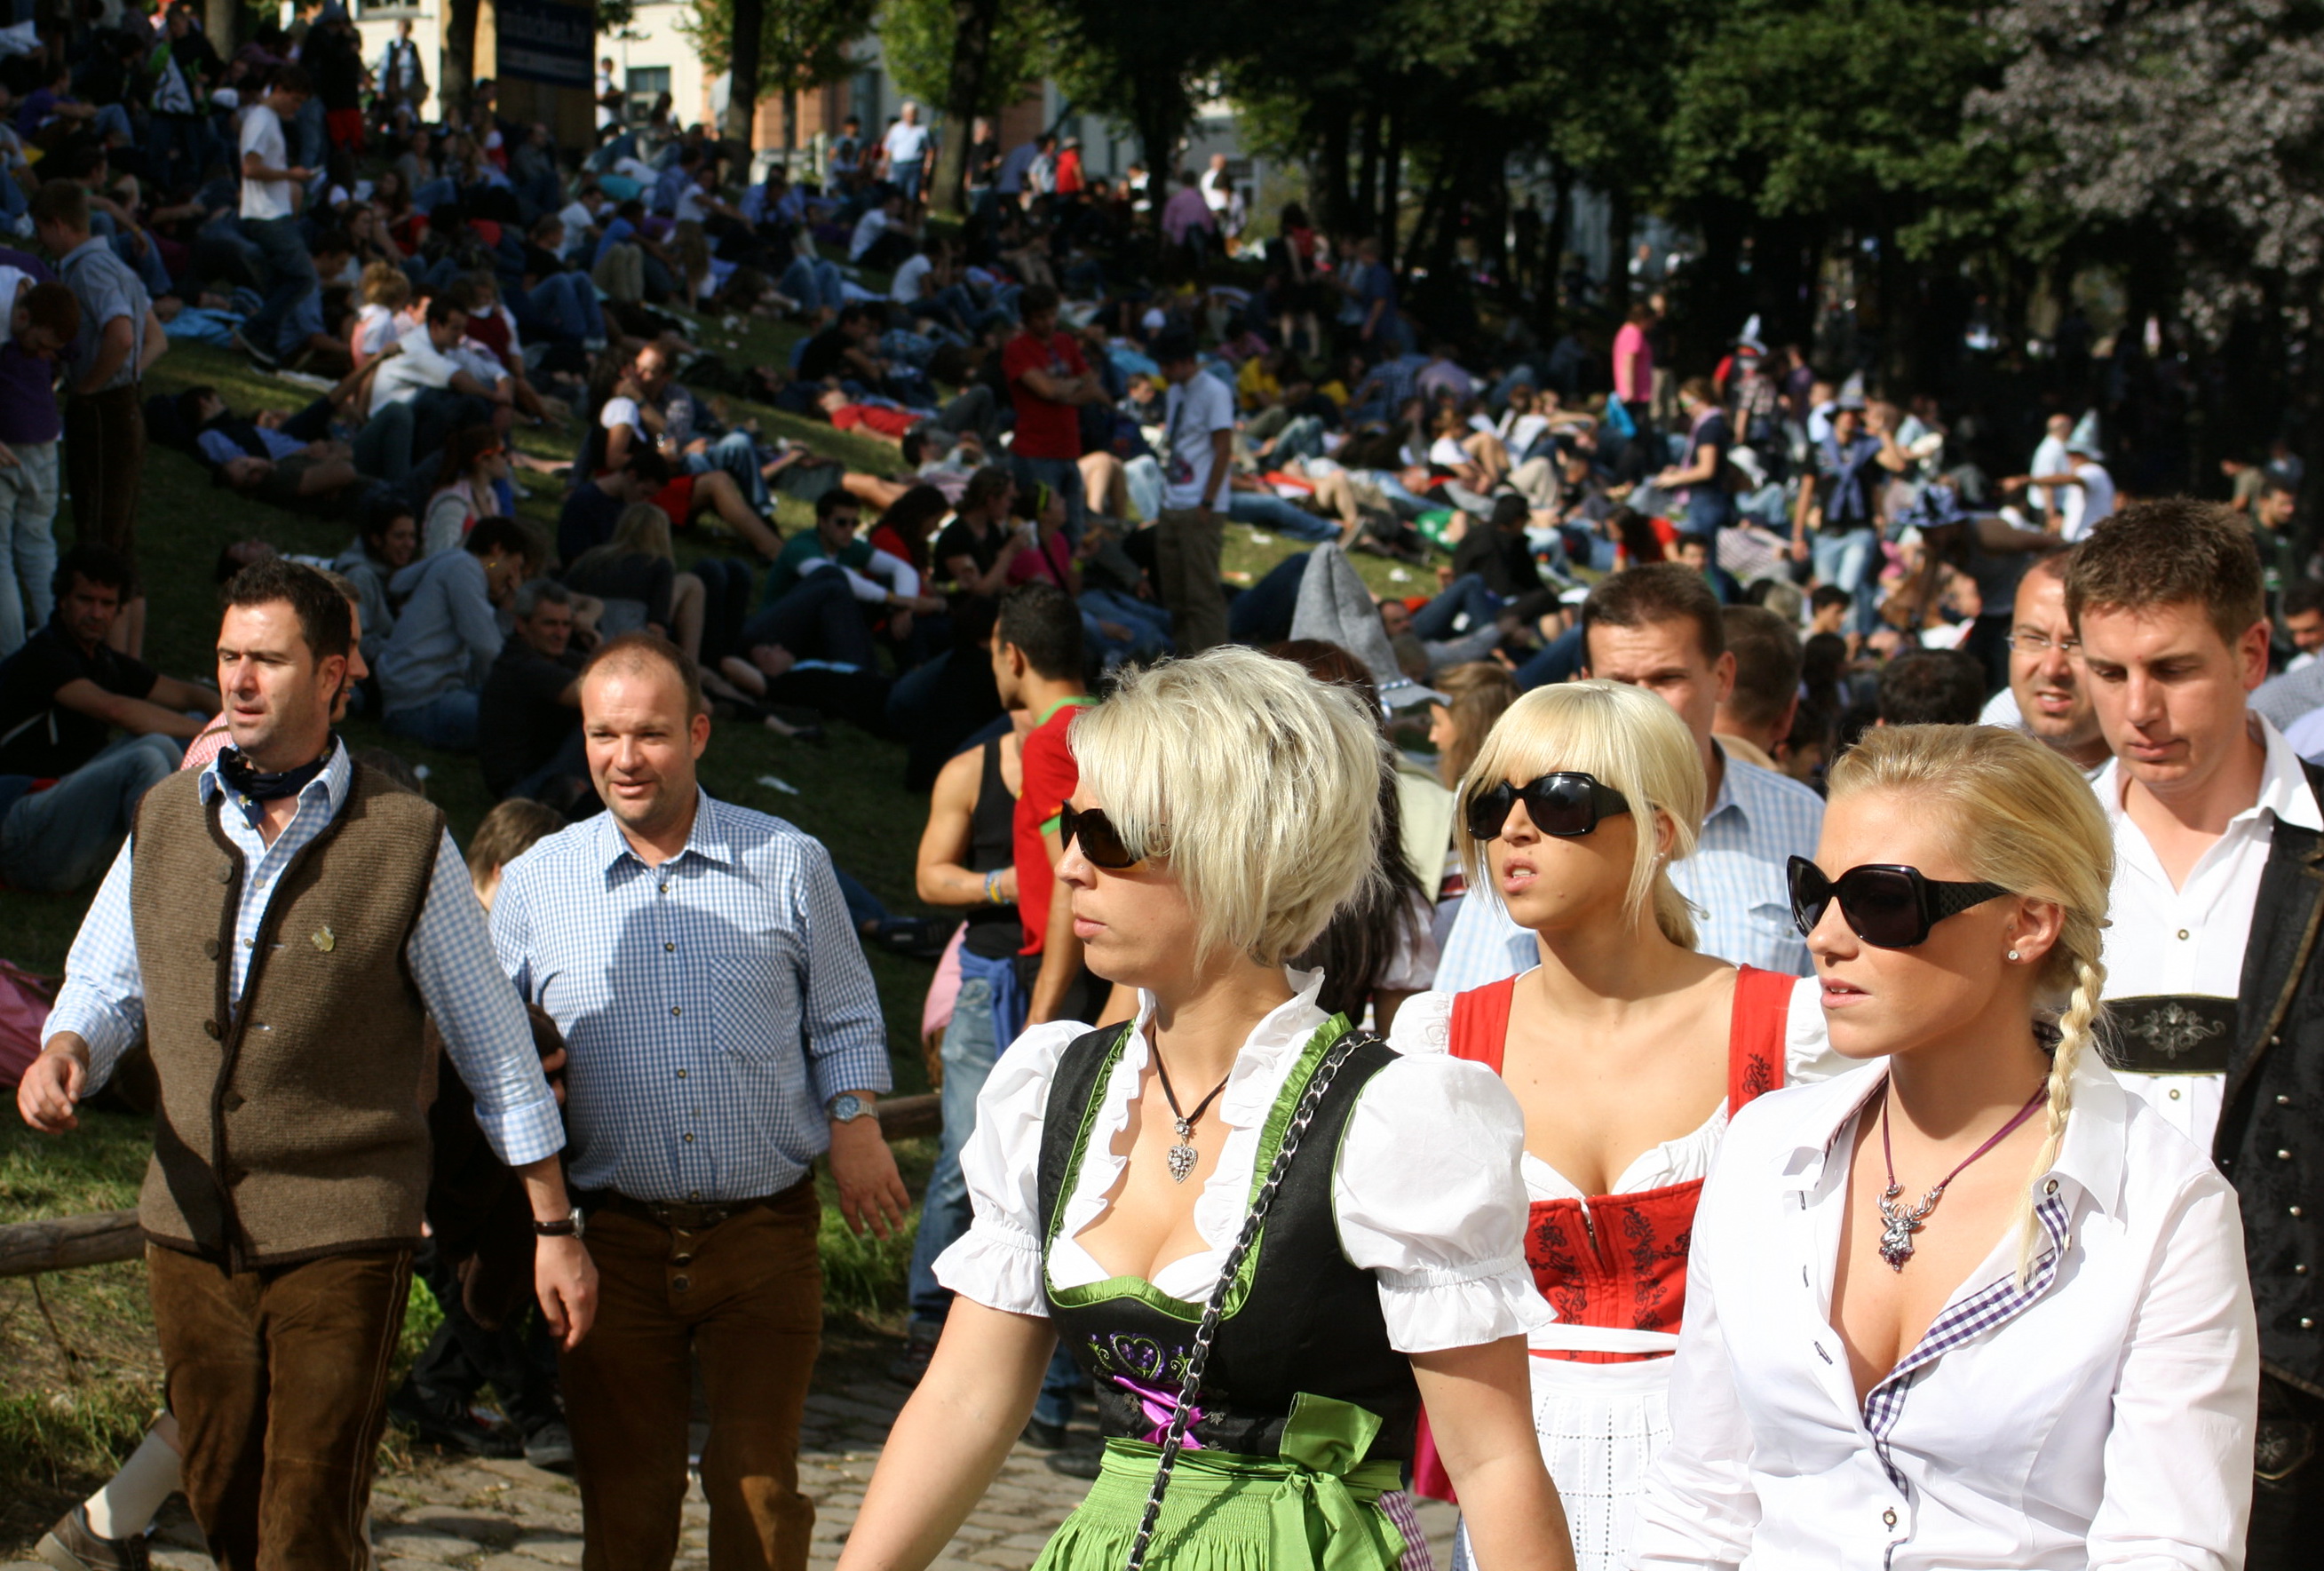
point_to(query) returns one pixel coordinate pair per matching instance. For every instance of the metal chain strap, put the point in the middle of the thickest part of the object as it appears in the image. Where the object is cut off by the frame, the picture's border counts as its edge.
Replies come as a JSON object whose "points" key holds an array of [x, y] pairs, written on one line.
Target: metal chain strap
{"points": [[1174, 1437]]}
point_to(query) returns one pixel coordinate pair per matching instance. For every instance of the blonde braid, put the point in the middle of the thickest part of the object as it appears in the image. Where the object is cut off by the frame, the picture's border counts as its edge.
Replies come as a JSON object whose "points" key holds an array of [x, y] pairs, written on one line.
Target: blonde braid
{"points": [[2077, 1028]]}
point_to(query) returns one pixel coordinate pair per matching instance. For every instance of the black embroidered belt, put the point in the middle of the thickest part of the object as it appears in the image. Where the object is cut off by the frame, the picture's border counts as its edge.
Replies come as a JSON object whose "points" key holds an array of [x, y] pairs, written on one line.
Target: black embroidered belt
{"points": [[2183, 1033]]}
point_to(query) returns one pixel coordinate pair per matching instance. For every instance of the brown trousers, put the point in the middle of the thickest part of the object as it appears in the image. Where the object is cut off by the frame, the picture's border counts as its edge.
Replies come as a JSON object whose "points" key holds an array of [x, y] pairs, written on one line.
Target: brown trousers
{"points": [[746, 1298], [278, 1377], [1186, 561], [104, 463]]}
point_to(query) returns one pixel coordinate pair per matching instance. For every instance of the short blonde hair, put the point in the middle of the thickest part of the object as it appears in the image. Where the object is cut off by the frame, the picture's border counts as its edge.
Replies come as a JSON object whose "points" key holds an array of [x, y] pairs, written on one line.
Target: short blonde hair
{"points": [[2024, 818], [1257, 785], [1629, 740], [385, 284]]}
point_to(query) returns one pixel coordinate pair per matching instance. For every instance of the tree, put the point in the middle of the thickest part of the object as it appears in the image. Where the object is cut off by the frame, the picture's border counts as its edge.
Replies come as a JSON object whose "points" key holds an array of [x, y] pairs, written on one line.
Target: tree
{"points": [[973, 58], [1144, 64], [803, 45]]}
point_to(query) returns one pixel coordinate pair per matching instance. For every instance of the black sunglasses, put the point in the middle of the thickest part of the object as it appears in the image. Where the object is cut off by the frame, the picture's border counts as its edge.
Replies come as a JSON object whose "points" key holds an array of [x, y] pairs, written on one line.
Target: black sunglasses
{"points": [[1566, 803], [1886, 906], [1101, 841]]}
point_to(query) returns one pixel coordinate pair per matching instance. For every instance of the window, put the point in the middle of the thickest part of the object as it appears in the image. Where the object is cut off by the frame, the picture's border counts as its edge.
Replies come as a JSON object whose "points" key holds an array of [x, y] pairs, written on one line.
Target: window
{"points": [[864, 103], [646, 87]]}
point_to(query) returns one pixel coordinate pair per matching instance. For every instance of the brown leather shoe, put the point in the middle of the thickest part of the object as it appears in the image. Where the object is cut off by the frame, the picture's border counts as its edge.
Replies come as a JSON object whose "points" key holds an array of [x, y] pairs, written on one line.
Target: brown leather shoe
{"points": [[70, 1545]]}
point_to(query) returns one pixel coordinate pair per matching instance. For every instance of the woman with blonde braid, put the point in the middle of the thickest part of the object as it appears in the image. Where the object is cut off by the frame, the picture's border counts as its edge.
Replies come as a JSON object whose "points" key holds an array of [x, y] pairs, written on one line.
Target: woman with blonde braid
{"points": [[1973, 1303]]}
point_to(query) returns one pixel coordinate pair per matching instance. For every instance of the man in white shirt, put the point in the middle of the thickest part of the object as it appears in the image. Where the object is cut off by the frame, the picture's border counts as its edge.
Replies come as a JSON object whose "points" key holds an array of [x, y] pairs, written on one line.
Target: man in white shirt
{"points": [[271, 185], [420, 395], [1659, 627], [2049, 453], [2216, 1000], [2081, 493], [1197, 463], [1217, 190], [906, 146]]}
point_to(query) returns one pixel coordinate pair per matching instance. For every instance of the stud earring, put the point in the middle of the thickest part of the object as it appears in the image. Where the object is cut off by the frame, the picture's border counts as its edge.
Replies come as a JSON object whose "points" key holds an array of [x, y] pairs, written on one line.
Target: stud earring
{"points": [[2012, 953]]}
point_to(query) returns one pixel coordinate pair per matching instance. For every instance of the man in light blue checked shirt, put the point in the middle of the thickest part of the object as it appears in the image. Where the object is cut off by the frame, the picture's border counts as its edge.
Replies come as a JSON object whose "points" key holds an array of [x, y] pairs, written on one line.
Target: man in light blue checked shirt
{"points": [[277, 931], [1660, 627], [722, 1032]]}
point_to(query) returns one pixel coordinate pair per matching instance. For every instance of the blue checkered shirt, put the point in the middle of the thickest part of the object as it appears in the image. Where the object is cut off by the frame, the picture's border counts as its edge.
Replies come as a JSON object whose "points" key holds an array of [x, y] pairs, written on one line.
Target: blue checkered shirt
{"points": [[712, 1005], [450, 957], [1735, 879]]}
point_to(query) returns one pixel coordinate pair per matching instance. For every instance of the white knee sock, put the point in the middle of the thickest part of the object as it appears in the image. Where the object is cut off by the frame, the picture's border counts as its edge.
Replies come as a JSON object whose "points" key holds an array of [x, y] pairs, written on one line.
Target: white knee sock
{"points": [[124, 1508]]}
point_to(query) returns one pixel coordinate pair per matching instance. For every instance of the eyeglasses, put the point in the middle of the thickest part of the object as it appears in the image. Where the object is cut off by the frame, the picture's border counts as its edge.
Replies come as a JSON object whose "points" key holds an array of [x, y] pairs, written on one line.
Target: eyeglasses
{"points": [[2031, 642], [1888, 906], [1101, 841], [1566, 803]]}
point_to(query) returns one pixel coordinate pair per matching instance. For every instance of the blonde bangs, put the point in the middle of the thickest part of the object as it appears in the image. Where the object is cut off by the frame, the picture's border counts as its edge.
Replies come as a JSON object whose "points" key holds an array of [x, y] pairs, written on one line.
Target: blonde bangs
{"points": [[1631, 741]]}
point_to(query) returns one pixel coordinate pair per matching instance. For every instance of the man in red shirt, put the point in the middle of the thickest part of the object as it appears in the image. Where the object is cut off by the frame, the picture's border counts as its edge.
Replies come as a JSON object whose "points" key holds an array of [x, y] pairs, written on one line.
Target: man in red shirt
{"points": [[1048, 382], [1037, 664], [1070, 182]]}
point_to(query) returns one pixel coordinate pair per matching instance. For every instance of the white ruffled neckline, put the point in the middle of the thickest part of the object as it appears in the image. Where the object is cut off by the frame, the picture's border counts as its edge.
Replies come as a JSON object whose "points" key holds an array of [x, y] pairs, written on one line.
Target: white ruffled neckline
{"points": [[1257, 1079]]}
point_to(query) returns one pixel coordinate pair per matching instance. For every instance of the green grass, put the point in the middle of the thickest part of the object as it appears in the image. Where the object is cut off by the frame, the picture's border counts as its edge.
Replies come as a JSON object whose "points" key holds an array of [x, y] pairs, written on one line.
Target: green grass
{"points": [[73, 1398]]}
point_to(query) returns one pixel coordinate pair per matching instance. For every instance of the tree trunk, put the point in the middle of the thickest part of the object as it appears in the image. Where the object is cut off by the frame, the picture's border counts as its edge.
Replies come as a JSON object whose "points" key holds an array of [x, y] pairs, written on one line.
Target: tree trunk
{"points": [[222, 24], [790, 122], [972, 55], [1367, 176], [1391, 190], [460, 59], [743, 78], [1553, 235], [1619, 218], [1330, 196]]}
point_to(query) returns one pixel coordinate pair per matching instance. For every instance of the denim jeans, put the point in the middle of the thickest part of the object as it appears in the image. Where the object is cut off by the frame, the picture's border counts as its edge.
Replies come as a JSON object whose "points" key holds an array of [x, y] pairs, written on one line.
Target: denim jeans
{"points": [[28, 542], [447, 721], [738, 455], [814, 285], [1062, 476], [1257, 507], [1850, 560], [569, 300], [1465, 596], [970, 1045], [818, 619], [55, 841], [290, 275]]}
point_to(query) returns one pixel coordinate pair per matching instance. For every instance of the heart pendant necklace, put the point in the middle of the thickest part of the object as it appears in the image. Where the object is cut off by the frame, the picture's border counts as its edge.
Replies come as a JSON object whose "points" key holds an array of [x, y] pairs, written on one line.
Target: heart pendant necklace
{"points": [[1898, 1223], [1183, 1156]]}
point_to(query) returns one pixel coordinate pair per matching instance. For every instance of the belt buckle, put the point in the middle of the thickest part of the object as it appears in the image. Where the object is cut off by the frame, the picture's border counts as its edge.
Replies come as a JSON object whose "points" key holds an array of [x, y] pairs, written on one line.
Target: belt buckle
{"points": [[2283, 1446]]}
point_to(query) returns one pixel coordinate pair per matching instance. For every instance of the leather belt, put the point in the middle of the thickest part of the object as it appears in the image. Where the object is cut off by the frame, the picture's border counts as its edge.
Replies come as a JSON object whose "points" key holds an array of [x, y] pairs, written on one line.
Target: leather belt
{"points": [[2171, 1034], [682, 1215]]}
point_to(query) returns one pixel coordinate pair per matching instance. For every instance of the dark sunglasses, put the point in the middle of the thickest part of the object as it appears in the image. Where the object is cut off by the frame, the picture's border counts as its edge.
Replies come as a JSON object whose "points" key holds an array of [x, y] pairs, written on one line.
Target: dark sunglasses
{"points": [[1101, 841], [1566, 803], [1888, 907]]}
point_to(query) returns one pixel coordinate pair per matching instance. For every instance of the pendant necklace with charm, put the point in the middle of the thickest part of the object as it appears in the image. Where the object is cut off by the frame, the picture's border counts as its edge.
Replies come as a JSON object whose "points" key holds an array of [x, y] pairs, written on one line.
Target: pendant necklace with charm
{"points": [[1899, 1223], [1183, 1156]]}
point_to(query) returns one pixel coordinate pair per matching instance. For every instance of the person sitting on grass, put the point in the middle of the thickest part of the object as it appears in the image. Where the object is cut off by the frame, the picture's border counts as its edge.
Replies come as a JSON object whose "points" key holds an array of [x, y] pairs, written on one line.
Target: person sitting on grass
{"points": [[821, 595], [446, 637], [288, 460]]}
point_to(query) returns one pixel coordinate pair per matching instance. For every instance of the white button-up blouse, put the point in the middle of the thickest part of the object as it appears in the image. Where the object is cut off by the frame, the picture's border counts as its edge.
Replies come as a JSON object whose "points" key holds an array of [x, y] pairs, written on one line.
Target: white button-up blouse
{"points": [[2101, 1416]]}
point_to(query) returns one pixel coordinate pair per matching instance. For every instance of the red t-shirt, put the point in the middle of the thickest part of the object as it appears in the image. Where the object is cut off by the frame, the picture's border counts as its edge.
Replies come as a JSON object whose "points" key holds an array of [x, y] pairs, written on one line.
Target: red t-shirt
{"points": [[1046, 429], [888, 422], [1050, 776]]}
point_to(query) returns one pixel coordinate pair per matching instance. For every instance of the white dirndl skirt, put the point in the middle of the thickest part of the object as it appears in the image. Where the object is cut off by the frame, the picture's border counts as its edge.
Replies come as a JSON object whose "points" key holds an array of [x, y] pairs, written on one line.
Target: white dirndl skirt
{"points": [[1601, 1426]]}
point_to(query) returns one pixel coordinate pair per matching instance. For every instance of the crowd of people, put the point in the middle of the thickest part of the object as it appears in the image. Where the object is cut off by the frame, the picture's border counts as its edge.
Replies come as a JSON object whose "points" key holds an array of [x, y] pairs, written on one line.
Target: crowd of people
{"points": [[1738, 769]]}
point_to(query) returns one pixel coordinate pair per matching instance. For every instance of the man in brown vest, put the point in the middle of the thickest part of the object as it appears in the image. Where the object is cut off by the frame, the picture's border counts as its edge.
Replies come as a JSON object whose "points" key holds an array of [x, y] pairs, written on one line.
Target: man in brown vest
{"points": [[277, 929]]}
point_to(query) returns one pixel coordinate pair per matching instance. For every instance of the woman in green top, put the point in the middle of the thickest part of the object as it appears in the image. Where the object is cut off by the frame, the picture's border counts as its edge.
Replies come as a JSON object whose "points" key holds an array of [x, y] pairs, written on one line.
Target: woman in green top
{"points": [[1227, 807]]}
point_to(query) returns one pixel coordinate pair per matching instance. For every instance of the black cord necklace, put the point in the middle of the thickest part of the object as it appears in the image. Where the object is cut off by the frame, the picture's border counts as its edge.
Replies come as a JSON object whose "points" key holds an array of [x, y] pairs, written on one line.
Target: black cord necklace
{"points": [[1183, 1156]]}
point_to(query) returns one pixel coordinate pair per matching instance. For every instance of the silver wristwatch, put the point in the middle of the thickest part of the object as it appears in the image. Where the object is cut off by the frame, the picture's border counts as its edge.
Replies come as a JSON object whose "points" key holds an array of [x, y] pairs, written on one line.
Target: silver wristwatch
{"points": [[847, 1107]]}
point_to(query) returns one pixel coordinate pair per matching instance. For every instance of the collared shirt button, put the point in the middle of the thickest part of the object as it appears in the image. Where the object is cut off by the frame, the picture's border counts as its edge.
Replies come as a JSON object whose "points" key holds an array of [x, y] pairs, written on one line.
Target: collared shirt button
{"points": [[681, 1074], [689, 1138], [694, 1194], [2174, 1094], [2182, 933], [665, 889], [669, 949], [2306, 1324], [673, 1009], [2051, 1188], [1889, 1516], [2300, 1269], [679, 1282], [2296, 1211]]}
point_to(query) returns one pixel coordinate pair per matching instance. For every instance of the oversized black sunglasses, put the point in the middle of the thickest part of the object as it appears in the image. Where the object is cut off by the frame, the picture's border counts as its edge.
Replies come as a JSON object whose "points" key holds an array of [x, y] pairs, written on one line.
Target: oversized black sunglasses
{"points": [[1566, 803], [1101, 841], [1888, 906]]}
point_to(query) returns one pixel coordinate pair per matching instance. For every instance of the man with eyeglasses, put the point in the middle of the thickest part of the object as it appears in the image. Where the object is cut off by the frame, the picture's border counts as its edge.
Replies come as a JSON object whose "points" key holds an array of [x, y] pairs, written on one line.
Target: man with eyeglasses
{"points": [[2047, 698], [2215, 997]]}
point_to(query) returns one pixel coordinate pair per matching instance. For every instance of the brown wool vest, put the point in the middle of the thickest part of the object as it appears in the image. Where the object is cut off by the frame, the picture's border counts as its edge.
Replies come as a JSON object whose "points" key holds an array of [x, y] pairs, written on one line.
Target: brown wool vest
{"points": [[291, 1127]]}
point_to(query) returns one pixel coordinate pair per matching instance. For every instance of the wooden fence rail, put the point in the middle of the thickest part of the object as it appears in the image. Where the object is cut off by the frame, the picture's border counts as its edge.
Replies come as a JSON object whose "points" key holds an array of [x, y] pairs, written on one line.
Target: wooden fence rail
{"points": [[63, 1242]]}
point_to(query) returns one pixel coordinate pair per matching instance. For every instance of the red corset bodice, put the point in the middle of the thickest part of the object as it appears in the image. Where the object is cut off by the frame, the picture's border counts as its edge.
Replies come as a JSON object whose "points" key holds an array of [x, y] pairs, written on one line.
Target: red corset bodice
{"points": [[1620, 1261]]}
